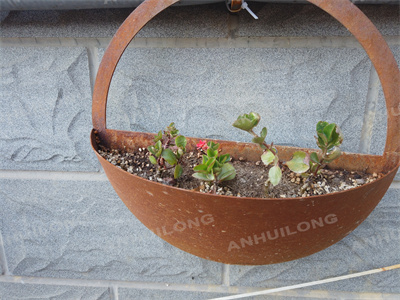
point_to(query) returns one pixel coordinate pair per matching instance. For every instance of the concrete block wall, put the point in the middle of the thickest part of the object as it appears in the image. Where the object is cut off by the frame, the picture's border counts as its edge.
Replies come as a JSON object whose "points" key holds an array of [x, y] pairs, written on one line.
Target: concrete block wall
{"points": [[64, 233]]}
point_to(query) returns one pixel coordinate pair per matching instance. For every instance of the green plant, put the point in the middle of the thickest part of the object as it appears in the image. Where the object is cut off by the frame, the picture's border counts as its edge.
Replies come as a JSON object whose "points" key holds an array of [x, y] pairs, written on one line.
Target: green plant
{"points": [[329, 139], [214, 168], [247, 122], [169, 147]]}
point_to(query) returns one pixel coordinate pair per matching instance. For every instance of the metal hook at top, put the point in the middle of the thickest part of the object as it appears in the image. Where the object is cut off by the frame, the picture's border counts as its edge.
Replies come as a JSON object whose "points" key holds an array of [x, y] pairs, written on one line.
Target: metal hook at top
{"points": [[234, 5], [237, 5]]}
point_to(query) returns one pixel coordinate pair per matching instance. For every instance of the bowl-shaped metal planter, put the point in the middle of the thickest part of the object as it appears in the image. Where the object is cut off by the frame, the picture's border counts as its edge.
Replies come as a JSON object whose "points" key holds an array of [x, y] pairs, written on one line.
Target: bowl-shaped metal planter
{"points": [[252, 231]]}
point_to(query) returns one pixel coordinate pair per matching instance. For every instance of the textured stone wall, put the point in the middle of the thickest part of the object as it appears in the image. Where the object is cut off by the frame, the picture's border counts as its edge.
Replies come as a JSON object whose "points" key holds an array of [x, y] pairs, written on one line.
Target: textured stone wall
{"points": [[64, 233]]}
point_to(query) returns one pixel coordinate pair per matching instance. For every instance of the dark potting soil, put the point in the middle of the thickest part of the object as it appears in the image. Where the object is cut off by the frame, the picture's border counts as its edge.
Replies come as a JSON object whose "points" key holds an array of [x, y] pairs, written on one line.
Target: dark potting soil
{"points": [[249, 181]]}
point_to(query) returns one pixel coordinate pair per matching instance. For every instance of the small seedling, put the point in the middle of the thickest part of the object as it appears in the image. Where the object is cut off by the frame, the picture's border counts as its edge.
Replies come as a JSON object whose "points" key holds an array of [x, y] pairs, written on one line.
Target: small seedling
{"points": [[169, 148], [329, 139], [247, 122], [214, 168]]}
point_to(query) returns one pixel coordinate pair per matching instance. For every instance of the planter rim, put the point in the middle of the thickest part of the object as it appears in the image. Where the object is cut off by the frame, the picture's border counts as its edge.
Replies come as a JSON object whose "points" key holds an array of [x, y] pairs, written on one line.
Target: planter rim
{"points": [[94, 146]]}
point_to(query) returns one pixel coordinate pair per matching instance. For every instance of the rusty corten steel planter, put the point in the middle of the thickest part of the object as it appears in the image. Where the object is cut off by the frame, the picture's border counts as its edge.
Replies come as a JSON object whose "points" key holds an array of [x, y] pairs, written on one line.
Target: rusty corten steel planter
{"points": [[251, 230]]}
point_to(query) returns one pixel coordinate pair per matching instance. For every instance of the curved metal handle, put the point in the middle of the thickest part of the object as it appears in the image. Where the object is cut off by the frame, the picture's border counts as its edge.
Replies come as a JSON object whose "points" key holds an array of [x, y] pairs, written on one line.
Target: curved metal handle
{"points": [[126, 32], [342, 10], [380, 55]]}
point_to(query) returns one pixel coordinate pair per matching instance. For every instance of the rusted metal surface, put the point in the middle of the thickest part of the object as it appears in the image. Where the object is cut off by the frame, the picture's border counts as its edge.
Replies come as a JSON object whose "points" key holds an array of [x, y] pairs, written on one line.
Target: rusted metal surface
{"points": [[235, 5], [250, 230]]}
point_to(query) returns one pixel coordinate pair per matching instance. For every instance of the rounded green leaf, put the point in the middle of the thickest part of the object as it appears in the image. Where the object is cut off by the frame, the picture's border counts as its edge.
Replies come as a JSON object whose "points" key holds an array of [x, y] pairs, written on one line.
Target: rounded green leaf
{"points": [[267, 157], [227, 172], [158, 148], [296, 164], [275, 175], [169, 156], [152, 150], [158, 137], [323, 138], [321, 125], [337, 137], [204, 177], [212, 152], [328, 130], [212, 145], [180, 141], [153, 160], [335, 153], [216, 170], [210, 163], [224, 158], [178, 171], [247, 122], [200, 168], [314, 157], [263, 133]]}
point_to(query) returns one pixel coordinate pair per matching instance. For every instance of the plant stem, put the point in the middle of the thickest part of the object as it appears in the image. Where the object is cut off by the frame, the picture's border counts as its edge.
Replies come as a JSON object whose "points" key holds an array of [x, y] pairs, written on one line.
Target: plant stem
{"points": [[320, 164], [267, 186], [264, 143], [318, 168], [215, 187], [167, 142]]}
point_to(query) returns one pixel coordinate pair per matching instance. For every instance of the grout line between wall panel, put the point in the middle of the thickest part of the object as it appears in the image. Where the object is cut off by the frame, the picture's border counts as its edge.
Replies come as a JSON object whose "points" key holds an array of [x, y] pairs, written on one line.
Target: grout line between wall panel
{"points": [[225, 275], [114, 285], [93, 58], [114, 292], [225, 42], [369, 112], [53, 175], [124, 284], [3, 259]]}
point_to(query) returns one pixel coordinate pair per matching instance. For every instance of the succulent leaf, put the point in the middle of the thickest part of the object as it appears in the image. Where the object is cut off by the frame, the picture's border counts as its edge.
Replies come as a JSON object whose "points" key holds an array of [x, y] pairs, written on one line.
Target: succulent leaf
{"points": [[204, 176], [314, 157], [227, 172], [297, 163], [169, 156], [247, 122], [153, 160], [178, 171], [275, 175], [267, 157], [335, 153], [180, 141]]}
